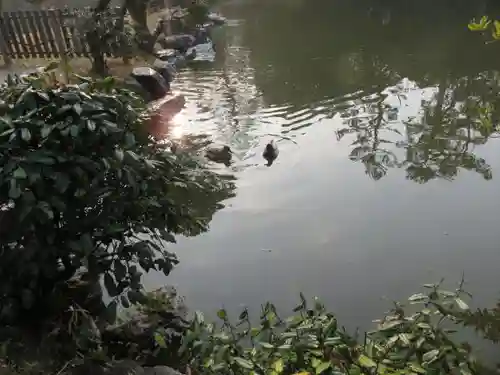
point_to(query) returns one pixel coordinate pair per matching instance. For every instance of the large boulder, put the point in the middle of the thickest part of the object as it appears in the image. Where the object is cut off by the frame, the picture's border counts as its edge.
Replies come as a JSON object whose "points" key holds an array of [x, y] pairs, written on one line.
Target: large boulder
{"points": [[167, 54], [151, 81], [179, 42], [166, 69], [160, 370]]}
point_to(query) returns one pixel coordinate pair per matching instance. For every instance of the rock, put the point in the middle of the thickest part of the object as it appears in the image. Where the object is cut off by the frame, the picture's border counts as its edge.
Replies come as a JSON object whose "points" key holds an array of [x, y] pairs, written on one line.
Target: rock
{"points": [[166, 69], [125, 367], [160, 370], [180, 61], [179, 42], [151, 81], [166, 54], [216, 19], [202, 36], [190, 54]]}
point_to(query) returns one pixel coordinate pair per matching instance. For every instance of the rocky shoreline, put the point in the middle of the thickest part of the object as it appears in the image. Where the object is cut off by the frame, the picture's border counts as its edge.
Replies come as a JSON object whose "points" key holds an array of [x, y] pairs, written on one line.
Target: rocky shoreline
{"points": [[175, 53]]}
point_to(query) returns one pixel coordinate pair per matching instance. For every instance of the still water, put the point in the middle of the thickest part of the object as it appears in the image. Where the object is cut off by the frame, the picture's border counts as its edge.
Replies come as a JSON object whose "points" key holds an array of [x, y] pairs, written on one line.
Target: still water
{"points": [[386, 178]]}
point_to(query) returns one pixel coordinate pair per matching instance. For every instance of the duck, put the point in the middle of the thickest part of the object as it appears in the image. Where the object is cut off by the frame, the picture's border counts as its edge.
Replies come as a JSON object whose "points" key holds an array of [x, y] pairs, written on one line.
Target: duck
{"points": [[219, 154], [270, 153]]}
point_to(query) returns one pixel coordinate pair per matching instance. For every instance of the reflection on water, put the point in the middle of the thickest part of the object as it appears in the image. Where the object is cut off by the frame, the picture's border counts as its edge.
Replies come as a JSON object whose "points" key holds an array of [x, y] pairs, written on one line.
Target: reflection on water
{"points": [[390, 96]]}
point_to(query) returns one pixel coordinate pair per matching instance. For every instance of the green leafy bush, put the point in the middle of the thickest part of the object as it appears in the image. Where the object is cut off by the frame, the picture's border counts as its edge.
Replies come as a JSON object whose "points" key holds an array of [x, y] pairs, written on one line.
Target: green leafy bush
{"points": [[412, 340], [85, 189]]}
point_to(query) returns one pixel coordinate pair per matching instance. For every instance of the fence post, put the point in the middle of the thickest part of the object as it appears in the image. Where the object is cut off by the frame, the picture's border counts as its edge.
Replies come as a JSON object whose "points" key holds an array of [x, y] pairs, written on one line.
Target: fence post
{"points": [[55, 17], [3, 46]]}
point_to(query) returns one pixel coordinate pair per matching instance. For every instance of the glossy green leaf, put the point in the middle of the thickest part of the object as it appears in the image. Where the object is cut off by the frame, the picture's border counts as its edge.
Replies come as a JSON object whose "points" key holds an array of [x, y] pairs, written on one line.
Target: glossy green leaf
{"points": [[20, 173], [74, 130], [119, 154], [430, 355], [46, 209], [278, 366], [160, 340], [244, 363], [222, 314], [365, 361], [111, 312], [14, 190], [323, 367], [110, 285], [461, 304], [25, 135]]}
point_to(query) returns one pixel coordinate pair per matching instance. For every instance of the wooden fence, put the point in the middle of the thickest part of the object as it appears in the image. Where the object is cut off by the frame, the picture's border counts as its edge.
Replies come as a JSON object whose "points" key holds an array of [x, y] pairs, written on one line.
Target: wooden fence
{"points": [[47, 33]]}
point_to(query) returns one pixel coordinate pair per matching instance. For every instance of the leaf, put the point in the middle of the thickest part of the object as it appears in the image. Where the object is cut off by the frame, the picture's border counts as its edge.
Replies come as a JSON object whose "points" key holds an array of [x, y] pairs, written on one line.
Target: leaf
{"points": [[120, 270], [461, 304], [417, 368], [20, 174], [25, 134], [430, 355], [322, 367], [129, 140], [86, 243], [222, 314], [14, 190], [119, 154], [74, 130], [111, 311], [46, 130], [366, 362], [47, 210], [27, 298], [405, 338], [7, 132], [77, 108], [125, 302], [418, 297], [267, 345], [244, 363], [278, 366], [110, 285], [386, 326], [91, 125], [160, 340], [62, 182]]}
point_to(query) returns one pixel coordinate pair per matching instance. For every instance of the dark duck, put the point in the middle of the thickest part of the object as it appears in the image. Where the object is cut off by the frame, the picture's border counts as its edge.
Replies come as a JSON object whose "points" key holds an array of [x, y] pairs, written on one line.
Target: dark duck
{"points": [[270, 153]]}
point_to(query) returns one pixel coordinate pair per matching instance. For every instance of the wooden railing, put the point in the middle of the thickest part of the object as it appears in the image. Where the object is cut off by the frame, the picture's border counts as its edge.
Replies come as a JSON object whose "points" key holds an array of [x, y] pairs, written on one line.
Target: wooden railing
{"points": [[47, 33]]}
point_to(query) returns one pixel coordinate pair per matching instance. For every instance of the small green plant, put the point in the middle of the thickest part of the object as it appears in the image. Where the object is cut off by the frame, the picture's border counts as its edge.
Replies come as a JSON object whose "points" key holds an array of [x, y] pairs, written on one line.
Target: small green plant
{"points": [[313, 342]]}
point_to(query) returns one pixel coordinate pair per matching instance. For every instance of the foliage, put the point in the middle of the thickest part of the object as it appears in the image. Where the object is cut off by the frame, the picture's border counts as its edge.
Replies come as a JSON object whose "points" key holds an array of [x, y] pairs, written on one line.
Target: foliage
{"points": [[486, 25], [312, 341], [85, 189], [113, 31]]}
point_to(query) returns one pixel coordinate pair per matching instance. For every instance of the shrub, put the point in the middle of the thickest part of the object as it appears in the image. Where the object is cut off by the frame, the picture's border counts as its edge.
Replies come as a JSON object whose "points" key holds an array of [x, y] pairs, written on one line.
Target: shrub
{"points": [[85, 189], [407, 341]]}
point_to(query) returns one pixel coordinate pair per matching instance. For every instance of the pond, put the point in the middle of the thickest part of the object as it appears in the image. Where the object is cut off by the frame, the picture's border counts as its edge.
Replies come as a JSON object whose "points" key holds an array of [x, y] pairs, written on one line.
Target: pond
{"points": [[386, 177]]}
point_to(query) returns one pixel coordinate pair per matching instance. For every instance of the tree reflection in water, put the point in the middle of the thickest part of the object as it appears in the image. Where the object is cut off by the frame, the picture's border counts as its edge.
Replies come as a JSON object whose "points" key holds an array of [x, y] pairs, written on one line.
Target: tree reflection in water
{"points": [[438, 142]]}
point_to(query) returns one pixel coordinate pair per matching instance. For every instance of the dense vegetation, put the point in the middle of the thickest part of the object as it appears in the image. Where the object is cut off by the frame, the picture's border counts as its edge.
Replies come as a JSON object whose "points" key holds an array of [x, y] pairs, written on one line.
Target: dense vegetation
{"points": [[87, 197]]}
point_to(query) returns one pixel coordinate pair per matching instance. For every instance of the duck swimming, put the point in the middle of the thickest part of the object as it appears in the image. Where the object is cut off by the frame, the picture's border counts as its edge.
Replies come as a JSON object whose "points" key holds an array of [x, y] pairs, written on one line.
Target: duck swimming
{"points": [[219, 154], [270, 153]]}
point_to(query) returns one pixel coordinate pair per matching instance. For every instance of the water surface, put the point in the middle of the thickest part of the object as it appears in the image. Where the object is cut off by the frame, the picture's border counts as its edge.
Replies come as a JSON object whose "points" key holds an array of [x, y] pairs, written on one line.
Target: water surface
{"points": [[386, 177]]}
